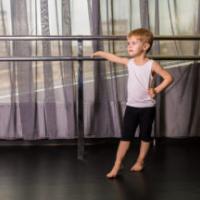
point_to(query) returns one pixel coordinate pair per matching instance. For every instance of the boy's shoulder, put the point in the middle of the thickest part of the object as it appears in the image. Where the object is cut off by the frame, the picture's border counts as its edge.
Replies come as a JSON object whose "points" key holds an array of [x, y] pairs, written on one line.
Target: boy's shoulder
{"points": [[155, 63], [156, 66]]}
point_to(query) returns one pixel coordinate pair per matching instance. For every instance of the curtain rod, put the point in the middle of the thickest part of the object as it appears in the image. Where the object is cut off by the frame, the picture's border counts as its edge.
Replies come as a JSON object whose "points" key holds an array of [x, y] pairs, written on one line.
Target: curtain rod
{"points": [[90, 37], [87, 58]]}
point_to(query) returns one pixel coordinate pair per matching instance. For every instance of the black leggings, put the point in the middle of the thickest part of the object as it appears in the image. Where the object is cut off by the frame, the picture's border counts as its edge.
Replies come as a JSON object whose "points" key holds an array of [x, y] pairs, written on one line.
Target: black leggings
{"points": [[134, 117]]}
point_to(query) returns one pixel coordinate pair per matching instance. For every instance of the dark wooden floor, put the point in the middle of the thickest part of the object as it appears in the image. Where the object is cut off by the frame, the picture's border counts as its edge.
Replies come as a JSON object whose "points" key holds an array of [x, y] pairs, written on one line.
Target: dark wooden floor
{"points": [[53, 173]]}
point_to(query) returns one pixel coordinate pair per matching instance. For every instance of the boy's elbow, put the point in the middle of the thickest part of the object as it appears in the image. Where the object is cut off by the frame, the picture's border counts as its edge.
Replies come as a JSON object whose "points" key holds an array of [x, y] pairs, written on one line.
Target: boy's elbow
{"points": [[171, 79]]}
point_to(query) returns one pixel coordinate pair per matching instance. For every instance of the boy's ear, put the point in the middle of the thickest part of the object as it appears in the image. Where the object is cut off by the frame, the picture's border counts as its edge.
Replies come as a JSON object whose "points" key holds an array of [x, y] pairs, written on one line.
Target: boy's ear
{"points": [[146, 46]]}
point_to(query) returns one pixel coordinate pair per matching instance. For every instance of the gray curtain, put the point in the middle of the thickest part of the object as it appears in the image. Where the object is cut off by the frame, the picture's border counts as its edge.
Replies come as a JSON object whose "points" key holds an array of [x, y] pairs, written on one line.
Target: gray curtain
{"points": [[180, 104], [38, 99]]}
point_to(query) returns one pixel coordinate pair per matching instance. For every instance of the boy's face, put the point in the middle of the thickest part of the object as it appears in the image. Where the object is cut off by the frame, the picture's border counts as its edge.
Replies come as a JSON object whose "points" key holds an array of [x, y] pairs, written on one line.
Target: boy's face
{"points": [[136, 46]]}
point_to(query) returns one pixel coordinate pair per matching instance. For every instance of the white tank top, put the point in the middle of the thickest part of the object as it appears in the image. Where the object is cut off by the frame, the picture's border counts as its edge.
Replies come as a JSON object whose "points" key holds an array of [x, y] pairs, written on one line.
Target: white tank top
{"points": [[139, 81]]}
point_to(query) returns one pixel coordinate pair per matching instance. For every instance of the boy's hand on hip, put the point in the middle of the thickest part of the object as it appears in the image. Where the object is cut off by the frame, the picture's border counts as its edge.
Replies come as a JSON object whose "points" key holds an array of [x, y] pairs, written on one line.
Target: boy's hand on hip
{"points": [[152, 93]]}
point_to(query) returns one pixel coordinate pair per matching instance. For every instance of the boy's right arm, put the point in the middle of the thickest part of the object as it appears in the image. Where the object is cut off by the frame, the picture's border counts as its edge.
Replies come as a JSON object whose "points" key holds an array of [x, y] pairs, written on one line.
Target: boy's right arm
{"points": [[111, 57]]}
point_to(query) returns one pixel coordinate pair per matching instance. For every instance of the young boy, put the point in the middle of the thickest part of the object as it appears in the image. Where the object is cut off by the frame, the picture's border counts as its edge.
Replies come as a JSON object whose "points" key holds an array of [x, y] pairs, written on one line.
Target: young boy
{"points": [[140, 108]]}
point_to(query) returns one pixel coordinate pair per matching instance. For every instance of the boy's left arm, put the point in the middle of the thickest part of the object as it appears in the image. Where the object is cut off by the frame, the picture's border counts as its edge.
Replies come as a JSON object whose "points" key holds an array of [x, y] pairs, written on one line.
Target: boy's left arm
{"points": [[167, 79]]}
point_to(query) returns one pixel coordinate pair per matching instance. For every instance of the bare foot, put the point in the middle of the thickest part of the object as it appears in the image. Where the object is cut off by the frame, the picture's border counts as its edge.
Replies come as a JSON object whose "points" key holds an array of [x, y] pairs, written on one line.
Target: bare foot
{"points": [[138, 166], [114, 172]]}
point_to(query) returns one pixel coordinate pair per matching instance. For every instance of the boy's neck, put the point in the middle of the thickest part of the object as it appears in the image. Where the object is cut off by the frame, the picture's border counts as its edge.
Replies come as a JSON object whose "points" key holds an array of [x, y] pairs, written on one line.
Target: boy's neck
{"points": [[140, 59]]}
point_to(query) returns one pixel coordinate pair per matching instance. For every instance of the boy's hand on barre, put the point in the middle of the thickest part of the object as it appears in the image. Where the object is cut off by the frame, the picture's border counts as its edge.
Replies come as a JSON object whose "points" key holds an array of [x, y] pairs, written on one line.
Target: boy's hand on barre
{"points": [[110, 57], [97, 53]]}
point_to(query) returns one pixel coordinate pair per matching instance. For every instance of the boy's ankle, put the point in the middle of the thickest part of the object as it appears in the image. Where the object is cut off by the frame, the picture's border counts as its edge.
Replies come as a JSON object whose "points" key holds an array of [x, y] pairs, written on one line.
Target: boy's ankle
{"points": [[141, 161], [118, 162]]}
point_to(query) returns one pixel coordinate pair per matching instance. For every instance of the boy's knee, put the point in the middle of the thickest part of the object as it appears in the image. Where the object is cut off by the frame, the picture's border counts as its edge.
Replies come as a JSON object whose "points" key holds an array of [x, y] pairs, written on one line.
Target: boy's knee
{"points": [[126, 136], [126, 139], [146, 139]]}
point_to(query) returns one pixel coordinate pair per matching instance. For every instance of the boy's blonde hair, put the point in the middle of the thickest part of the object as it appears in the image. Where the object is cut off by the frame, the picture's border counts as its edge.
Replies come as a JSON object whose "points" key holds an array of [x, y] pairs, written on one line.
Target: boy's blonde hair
{"points": [[144, 35]]}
